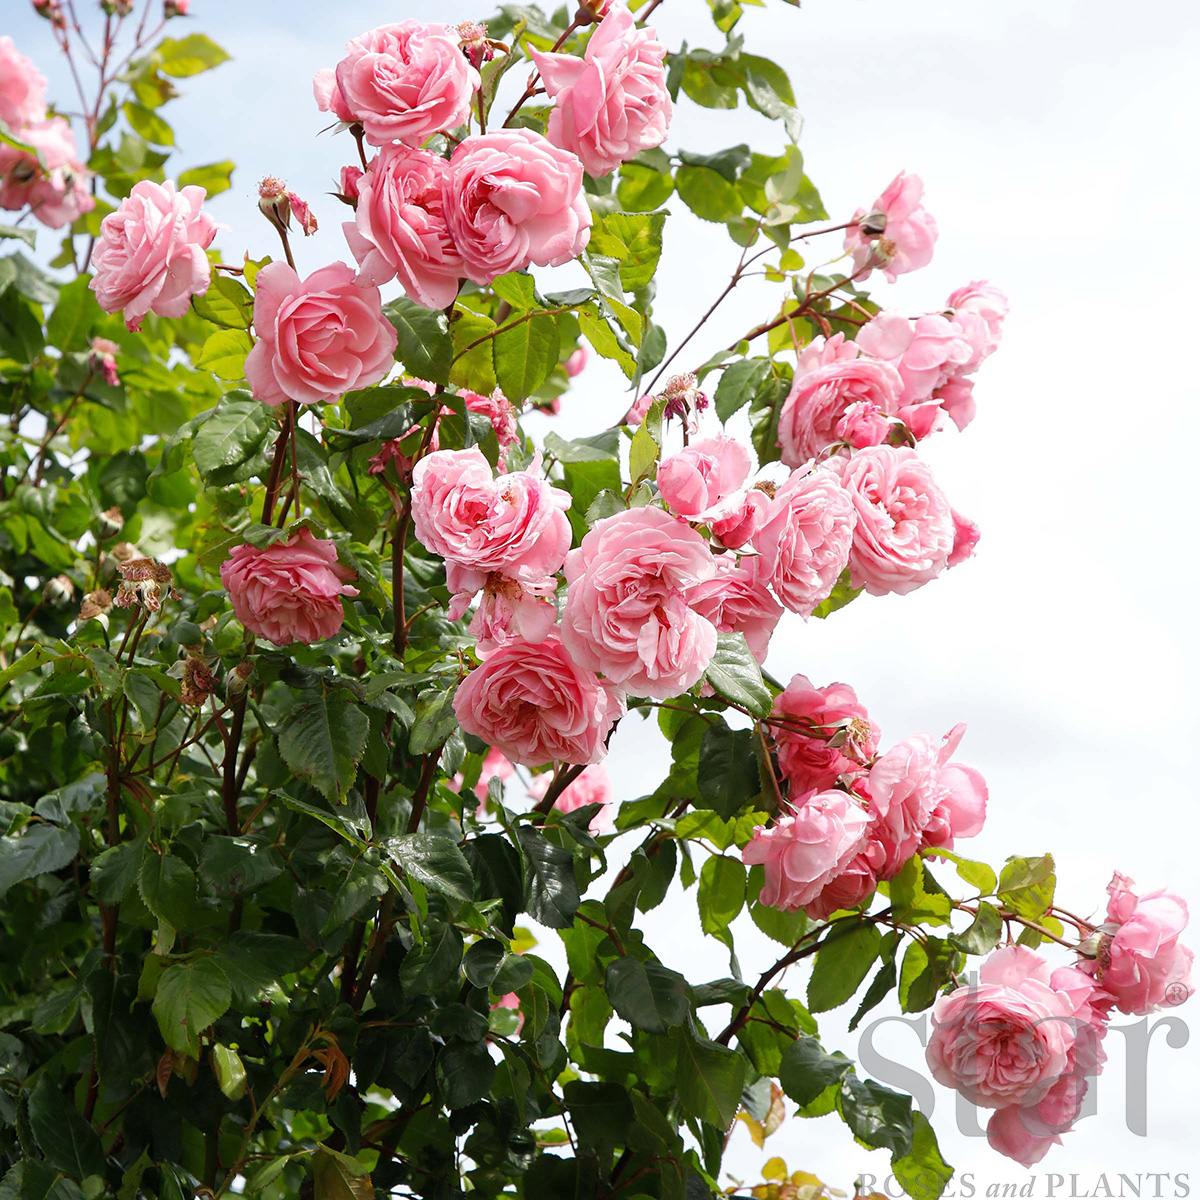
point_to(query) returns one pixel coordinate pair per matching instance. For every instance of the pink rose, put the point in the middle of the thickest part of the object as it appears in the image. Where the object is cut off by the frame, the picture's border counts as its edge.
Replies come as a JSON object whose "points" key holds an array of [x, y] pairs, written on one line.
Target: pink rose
{"points": [[512, 609], [1140, 954], [696, 480], [805, 541], [536, 705], [318, 338], [512, 199], [613, 102], [851, 886], [897, 234], [289, 591], [515, 526], [150, 253], [52, 182], [927, 352], [832, 378], [809, 761], [738, 600], [22, 88], [576, 362], [399, 229], [638, 410], [592, 786], [804, 851], [499, 411], [1014, 1032], [627, 613], [979, 308], [906, 531], [402, 83], [742, 517], [956, 399], [921, 799]]}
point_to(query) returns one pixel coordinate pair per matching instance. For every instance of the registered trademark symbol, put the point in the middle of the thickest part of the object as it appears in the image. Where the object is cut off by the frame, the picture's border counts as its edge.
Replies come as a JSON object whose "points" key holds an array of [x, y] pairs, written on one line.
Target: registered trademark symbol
{"points": [[1177, 993]]}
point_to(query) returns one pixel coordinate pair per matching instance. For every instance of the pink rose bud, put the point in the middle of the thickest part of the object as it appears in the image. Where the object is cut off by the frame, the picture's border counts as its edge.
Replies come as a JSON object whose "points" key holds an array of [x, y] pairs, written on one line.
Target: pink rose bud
{"points": [[348, 183], [577, 362], [53, 12], [117, 8], [102, 361], [176, 8], [591, 11], [638, 410]]}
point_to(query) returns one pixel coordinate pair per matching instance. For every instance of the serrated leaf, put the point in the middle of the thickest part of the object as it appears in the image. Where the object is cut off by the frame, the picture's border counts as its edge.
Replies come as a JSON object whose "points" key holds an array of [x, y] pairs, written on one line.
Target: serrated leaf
{"points": [[322, 741], [648, 995], [190, 996], [434, 861], [167, 886], [735, 675]]}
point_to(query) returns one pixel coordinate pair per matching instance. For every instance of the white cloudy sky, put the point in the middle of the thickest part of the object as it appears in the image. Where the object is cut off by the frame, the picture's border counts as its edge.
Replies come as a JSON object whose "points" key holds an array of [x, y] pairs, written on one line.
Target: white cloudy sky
{"points": [[1055, 142]]}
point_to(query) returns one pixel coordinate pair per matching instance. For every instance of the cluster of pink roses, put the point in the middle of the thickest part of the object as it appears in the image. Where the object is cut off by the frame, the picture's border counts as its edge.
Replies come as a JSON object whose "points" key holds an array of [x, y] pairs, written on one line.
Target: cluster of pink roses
{"points": [[43, 171], [1027, 1040], [855, 816]]}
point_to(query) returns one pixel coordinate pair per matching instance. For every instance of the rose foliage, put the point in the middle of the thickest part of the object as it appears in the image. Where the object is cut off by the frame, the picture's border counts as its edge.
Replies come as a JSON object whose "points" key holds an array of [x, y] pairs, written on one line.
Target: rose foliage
{"points": [[314, 879]]}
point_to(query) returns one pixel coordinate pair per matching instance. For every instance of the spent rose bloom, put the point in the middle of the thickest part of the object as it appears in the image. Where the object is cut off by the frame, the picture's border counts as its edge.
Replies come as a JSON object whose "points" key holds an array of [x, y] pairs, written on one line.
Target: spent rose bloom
{"points": [[897, 233], [835, 714], [613, 102], [699, 477], [832, 379], [402, 82], [921, 799], [737, 599], [515, 525], [22, 88], [150, 256], [290, 591], [512, 199], [511, 609], [805, 850], [1015, 1031], [627, 613], [399, 228], [805, 541], [536, 705], [318, 338], [906, 531], [51, 181], [1141, 956]]}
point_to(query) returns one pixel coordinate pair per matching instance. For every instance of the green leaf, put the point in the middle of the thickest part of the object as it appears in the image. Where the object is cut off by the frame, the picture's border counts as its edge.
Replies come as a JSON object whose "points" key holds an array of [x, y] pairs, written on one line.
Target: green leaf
{"points": [[465, 1071], [28, 236], [226, 303], [877, 1115], [229, 438], [740, 383], [736, 676], [841, 964], [214, 178], [74, 315], [117, 1032], [979, 875], [922, 1172], [983, 934], [727, 776], [707, 193], [524, 354], [183, 57], [167, 886], [434, 721], [806, 1070], [436, 862], [115, 871], [230, 1072], [1027, 885], [225, 354], [709, 1078], [551, 890], [600, 1112], [337, 1176], [722, 892], [634, 239], [323, 740], [649, 996], [190, 996], [148, 124], [236, 866], [601, 447], [841, 595], [39, 850], [424, 345], [917, 897], [642, 188], [69, 1143]]}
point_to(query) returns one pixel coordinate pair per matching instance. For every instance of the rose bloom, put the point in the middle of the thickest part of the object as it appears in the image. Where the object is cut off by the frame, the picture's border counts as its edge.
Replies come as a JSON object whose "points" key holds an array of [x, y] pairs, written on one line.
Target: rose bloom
{"points": [[52, 182], [627, 613], [851, 886], [906, 532], [696, 480], [576, 362], [908, 231], [499, 411], [1016, 1030], [22, 88], [920, 798], [511, 609], [811, 763], [318, 338], [742, 516], [979, 308], [290, 591], [613, 102], [804, 851], [832, 378], [1140, 955], [150, 256], [399, 229], [537, 705], [805, 541], [592, 786], [402, 82], [737, 600], [515, 525], [927, 352], [512, 199]]}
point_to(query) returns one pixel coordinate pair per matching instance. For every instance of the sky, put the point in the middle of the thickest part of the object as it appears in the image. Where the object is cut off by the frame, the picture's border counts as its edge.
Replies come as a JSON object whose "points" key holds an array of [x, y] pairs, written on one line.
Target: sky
{"points": [[1054, 142]]}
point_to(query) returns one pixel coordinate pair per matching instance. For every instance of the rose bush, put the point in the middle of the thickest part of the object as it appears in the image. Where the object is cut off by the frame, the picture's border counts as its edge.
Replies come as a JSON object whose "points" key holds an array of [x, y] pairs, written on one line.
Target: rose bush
{"points": [[315, 881]]}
